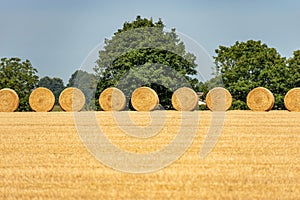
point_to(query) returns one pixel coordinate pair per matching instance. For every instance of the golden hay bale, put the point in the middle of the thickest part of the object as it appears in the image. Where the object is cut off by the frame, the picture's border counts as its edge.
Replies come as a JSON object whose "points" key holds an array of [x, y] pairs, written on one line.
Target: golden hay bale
{"points": [[218, 99], [185, 99], [112, 99], [41, 100], [71, 99], [9, 100], [292, 100], [144, 99], [260, 99]]}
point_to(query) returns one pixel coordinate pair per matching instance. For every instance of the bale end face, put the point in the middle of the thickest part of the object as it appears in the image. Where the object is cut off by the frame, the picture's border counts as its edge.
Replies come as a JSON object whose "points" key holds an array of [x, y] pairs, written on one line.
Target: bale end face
{"points": [[144, 99], [292, 100], [184, 99], [112, 99], [41, 100], [71, 99], [260, 99], [218, 99], [9, 100]]}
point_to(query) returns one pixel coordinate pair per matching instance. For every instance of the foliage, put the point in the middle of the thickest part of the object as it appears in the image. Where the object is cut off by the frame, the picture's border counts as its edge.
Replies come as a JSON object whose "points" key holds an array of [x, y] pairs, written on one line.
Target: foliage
{"points": [[247, 65], [56, 85], [143, 44], [57, 108], [86, 82], [20, 76], [294, 70]]}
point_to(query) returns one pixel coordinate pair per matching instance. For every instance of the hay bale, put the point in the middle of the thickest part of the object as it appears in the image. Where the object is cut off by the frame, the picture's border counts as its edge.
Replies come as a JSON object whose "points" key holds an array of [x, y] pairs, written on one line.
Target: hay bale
{"points": [[9, 100], [41, 100], [292, 100], [71, 99], [144, 99], [218, 99], [112, 99], [185, 99], [260, 99]]}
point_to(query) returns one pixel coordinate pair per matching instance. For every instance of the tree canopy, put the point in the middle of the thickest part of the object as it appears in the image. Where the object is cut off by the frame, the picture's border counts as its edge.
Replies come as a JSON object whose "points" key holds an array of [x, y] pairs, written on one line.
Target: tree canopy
{"points": [[142, 49], [294, 70], [250, 64], [56, 85], [19, 76]]}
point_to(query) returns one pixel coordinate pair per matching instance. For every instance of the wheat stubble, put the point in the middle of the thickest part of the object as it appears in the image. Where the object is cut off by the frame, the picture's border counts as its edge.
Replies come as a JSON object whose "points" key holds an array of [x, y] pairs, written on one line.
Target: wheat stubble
{"points": [[256, 157]]}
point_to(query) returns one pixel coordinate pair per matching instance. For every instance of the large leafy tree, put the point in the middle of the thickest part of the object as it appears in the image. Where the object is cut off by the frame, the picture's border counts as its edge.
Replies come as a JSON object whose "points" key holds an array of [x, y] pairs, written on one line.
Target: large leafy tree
{"points": [[250, 64], [20, 76], [154, 55], [294, 70], [56, 85]]}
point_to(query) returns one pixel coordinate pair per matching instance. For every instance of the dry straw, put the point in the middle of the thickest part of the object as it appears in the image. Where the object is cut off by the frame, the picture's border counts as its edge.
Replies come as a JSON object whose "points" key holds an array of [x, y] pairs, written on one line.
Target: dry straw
{"points": [[41, 100], [292, 100], [9, 100], [260, 99], [71, 99], [218, 99], [144, 99], [184, 99], [255, 157], [112, 99]]}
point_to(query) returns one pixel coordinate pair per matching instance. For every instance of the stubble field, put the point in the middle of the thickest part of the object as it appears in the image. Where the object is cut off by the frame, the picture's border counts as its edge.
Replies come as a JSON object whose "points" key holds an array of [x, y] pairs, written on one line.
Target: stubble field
{"points": [[257, 156]]}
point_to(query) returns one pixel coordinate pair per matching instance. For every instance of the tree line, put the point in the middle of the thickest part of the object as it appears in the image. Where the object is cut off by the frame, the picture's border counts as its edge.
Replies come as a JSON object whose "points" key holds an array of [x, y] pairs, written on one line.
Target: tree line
{"points": [[147, 55], [22, 77]]}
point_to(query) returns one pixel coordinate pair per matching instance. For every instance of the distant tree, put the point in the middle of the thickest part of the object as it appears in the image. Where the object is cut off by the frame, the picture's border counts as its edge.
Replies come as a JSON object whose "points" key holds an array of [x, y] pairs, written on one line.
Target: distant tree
{"points": [[129, 49], [247, 65], [56, 85], [216, 81], [86, 82], [20, 76]]}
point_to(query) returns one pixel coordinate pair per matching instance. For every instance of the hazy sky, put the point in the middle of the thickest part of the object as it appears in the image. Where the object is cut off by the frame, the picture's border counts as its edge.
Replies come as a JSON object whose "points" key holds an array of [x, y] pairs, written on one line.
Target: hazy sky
{"points": [[57, 35]]}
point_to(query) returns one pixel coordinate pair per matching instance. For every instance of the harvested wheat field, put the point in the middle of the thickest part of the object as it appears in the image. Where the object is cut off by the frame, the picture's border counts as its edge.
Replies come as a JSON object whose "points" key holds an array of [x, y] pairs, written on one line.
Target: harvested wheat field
{"points": [[257, 156]]}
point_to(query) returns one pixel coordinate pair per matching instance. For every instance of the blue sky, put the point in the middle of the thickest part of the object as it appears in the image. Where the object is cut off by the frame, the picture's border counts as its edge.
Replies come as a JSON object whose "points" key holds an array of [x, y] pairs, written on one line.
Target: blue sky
{"points": [[57, 35]]}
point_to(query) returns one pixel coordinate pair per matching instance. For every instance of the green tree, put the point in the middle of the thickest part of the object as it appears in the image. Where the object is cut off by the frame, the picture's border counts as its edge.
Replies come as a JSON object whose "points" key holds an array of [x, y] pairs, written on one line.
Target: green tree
{"points": [[143, 46], [56, 85], [247, 65], [20, 76], [294, 70], [86, 82]]}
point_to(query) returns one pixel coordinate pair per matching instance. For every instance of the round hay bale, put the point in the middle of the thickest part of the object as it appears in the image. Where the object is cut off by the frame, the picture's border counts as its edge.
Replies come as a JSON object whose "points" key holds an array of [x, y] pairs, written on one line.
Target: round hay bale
{"points": [[71, 99], [9, 100], [185, 99], [292, 100], [41, 100], [144, 99], [112, 99], [260, 99], [218, 99]]}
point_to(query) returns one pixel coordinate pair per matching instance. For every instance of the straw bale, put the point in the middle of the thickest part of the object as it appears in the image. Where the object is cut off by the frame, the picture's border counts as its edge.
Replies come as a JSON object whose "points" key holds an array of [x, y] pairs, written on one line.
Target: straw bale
{"points": [[144, 99], [71, 99], [218, 99], [260, 99], [185, 99], [112, 99], [41, 100], [9, 100], [292, 100]]}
